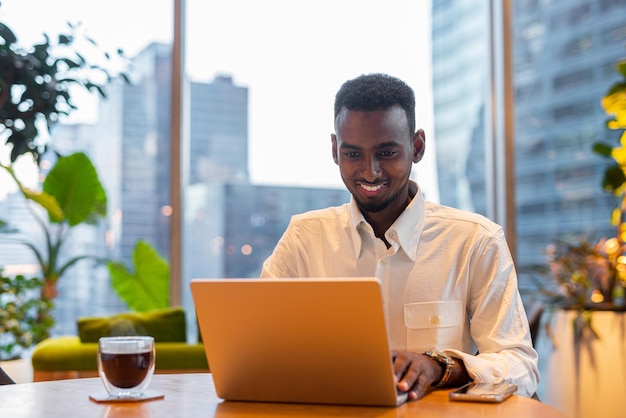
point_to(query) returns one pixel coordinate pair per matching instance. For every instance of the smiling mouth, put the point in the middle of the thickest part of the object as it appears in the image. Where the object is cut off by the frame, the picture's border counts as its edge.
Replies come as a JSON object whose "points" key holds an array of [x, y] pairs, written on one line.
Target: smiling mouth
{"points": [[372, 187]]}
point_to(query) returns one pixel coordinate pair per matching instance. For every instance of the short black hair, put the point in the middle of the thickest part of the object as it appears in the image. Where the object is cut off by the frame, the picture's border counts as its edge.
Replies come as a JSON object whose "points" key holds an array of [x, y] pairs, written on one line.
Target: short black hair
{"points": [[372, 92]]}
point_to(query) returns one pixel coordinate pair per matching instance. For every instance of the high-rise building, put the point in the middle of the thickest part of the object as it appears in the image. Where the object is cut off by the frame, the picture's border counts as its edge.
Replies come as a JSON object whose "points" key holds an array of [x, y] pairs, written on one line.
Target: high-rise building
{"points": [[460, 59], [564, 56], [218, 131], [139, 112]]}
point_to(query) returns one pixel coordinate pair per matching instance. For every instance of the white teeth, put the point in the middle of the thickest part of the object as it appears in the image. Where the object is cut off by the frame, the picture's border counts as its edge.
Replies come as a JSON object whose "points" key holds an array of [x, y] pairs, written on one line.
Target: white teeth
{"points": [[371, 188]]}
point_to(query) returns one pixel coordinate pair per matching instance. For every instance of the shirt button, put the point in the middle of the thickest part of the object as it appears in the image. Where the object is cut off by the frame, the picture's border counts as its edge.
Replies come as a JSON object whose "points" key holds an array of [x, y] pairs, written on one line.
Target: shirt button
{"points": [[434, 320], [383, 262]]}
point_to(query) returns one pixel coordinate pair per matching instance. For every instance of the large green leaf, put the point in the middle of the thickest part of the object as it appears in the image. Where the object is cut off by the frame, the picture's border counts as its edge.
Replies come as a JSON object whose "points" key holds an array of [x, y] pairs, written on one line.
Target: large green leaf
{"points": [[74, 182], [48, 202], [148, 286]]}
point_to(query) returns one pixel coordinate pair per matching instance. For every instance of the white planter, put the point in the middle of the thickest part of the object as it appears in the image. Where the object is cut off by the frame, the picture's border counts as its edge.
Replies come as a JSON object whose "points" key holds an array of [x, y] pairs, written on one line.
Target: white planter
{"points": [[592, 381]]}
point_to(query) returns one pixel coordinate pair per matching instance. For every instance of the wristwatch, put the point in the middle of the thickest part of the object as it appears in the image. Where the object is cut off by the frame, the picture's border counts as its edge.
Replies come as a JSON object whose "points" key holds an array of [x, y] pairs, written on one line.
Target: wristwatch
{"points": [[446, 363]]}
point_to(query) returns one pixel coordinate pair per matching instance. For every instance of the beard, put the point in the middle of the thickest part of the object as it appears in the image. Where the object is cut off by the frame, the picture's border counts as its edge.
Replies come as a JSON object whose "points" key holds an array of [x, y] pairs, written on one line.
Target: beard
{"points": [[374, 207]]}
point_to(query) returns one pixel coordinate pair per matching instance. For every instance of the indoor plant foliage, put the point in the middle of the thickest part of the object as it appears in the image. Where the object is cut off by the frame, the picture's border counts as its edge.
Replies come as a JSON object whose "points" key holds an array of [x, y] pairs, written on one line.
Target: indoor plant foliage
{"points": [[72, 195], [36, 84], [614, 248], [588, 274], [148, 286], [21, 313]]}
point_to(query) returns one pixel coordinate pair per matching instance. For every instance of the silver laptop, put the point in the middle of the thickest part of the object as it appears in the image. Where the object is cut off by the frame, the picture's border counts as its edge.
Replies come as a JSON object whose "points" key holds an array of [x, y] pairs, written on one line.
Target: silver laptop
{"points": [[309, 340]]}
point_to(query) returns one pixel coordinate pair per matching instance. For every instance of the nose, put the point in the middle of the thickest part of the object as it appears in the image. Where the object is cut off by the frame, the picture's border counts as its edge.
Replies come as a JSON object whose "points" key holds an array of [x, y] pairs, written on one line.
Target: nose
{"points": [[372, 169]]}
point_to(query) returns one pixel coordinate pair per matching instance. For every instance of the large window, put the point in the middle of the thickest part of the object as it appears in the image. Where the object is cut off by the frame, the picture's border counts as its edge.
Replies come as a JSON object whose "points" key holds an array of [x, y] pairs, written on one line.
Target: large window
{"points": [[279, 63], [257, 94], [257, 90]]}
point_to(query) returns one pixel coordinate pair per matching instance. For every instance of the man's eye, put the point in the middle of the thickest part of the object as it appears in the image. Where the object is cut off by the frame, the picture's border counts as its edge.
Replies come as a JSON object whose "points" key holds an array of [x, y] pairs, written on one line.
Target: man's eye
{"points": [[352, 154], [387, 154]]}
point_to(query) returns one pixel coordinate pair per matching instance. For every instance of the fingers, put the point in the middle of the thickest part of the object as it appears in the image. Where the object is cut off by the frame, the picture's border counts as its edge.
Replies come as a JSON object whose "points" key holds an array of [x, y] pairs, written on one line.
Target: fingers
{"points": [[419, 388], [415, 373]]}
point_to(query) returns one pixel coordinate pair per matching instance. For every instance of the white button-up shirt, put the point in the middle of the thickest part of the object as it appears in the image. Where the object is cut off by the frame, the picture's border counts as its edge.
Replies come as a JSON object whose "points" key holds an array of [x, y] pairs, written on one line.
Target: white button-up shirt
{"points": [[448, 282]]}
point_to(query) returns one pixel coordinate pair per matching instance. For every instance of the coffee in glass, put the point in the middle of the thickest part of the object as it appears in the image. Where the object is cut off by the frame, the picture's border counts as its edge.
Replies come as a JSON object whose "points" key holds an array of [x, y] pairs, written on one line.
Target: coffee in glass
{"points": [[126, 364]]}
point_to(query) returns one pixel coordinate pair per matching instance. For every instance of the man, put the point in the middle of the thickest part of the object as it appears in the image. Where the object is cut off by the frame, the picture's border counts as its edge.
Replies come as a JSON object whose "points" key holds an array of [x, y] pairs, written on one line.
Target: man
{"points": [[452, 305]]}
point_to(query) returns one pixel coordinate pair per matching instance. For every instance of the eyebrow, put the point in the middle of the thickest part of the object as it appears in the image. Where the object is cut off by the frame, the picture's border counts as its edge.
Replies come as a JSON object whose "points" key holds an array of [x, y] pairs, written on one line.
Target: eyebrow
{"points": [[388, 144]]}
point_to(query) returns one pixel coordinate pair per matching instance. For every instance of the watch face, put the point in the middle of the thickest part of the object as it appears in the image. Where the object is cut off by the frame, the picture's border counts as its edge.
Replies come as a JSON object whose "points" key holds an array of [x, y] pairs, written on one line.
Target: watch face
{"points": [[440, 357], [446, 363], [447, 360]]}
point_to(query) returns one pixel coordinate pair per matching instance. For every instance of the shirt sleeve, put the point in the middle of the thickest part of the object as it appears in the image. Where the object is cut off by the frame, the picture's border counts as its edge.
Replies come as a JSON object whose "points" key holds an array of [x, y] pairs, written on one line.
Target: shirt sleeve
{"points": [[274, 266], [285, 259], [499, 325]]}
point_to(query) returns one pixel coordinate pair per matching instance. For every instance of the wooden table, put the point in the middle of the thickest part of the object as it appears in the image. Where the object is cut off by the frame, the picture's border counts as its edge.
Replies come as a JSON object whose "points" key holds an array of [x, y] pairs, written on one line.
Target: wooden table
{"points": [[193, 395]]}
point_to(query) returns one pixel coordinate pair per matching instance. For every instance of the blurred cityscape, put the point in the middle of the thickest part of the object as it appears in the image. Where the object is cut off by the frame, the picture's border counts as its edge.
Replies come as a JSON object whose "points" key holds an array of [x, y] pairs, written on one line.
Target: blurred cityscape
{"points": [[230, 224]]}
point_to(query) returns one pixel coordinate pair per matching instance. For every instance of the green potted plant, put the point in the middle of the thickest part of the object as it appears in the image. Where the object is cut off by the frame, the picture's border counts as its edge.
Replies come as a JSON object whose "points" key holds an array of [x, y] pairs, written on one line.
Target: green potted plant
{"points": [[72, 195], [35, 92], [35, 86], [146, 285]]}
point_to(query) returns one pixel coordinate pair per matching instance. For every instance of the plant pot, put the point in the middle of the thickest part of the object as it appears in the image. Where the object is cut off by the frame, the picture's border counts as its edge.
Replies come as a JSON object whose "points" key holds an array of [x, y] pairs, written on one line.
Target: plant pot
{"points": [[587, 378]]}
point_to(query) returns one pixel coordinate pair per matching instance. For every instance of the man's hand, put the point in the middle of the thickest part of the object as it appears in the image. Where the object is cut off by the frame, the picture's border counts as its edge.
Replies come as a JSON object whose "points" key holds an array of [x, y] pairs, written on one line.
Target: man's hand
{"points": [[415, 372]]}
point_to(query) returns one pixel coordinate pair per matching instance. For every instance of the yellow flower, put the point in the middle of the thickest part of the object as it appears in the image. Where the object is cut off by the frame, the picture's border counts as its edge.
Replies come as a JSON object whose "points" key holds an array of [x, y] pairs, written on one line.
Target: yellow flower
{"points": [[615, 104], [619, 153], [616, 216]]}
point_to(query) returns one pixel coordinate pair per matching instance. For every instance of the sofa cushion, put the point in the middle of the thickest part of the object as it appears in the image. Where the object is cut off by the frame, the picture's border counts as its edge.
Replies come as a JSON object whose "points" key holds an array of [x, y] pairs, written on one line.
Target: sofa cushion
{"points": [[165, 325], [68, 353]]}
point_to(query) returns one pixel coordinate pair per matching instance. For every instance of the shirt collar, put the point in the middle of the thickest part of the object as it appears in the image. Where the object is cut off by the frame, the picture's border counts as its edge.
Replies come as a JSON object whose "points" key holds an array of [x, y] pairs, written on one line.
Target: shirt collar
{"points": [[357, 220], [408, 227]]}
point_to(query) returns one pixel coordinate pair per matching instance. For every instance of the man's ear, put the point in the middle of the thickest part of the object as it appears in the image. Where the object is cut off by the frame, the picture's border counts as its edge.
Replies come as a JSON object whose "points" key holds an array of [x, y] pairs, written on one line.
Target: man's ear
{"points": [[419, 145], [333, 138]]}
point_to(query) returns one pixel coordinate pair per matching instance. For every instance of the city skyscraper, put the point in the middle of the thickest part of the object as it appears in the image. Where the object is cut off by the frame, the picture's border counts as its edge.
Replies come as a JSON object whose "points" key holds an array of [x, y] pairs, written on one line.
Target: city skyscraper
{"points": [[564, 57], [218, 131]]}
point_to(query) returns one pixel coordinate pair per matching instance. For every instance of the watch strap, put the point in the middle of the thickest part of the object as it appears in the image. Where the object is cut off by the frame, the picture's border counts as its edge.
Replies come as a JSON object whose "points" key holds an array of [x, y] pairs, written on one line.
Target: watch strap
{"points": [[447, 364]]}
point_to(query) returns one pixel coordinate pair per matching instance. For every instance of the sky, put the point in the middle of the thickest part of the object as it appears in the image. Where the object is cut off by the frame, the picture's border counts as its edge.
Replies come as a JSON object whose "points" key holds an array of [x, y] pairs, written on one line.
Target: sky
{"points": [[291, 55]]}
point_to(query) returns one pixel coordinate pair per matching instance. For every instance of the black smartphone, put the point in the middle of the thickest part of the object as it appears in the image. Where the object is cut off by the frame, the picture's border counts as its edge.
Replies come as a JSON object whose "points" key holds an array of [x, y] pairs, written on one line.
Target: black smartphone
{"points": [[483, 392]]}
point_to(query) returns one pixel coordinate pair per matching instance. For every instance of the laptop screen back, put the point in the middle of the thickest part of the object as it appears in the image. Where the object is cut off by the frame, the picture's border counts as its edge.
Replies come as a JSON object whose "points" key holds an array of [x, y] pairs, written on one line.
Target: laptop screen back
{"points": [[296, 340]]}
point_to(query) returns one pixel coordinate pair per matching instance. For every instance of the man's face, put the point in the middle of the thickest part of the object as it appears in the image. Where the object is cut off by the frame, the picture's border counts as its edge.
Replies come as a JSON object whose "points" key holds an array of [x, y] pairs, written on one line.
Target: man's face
{"points": [[375, 152]]}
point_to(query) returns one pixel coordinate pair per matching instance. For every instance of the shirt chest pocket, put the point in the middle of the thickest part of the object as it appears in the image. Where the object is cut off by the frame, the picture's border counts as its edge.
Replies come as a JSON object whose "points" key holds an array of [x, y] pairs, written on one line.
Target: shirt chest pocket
{"points": [[434, 325]]}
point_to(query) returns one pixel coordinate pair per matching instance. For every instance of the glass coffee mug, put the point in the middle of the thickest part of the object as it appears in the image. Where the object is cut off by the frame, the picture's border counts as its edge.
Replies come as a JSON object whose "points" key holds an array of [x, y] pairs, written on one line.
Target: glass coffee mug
{"points": [[126, 365]]}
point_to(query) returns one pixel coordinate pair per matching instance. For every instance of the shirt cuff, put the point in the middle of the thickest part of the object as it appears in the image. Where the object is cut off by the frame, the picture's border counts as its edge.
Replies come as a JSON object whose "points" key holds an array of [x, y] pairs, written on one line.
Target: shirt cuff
{"points": [[479, 369]]}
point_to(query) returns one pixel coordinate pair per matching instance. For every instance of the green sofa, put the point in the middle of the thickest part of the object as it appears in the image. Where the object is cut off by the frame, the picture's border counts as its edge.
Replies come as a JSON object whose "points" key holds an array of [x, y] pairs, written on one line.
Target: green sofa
{"points": [[75, 356]]}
